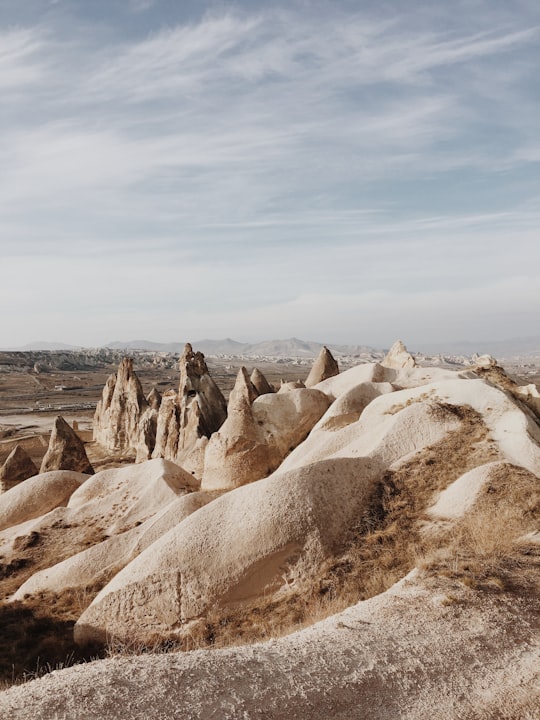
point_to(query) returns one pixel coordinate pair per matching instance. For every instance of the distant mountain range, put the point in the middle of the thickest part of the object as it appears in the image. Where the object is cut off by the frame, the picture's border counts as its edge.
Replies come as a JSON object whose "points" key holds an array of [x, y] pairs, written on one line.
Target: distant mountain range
{"points": [[296, 348], [292, 347]]}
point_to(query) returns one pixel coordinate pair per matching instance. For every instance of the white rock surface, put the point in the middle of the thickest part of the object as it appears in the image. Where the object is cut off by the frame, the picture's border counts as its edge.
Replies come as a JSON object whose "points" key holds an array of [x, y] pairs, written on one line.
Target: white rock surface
{"points": [[419, 651], [37, 496]]}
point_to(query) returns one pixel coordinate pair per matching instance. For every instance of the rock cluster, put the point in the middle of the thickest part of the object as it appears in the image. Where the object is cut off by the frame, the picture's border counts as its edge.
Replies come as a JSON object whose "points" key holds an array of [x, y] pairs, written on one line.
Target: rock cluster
{"points": [[306, 470], [187, 418]]}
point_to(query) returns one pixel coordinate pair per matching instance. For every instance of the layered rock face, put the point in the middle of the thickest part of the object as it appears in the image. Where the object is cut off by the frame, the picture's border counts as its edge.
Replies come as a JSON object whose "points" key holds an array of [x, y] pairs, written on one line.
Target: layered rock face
{"points": [[18, 467], [118, 413], [188, 418], [66, 451]]}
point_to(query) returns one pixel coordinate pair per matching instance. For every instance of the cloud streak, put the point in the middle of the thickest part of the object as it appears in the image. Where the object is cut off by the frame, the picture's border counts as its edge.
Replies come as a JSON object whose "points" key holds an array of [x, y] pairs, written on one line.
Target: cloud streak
{"points": [[354, 151]]}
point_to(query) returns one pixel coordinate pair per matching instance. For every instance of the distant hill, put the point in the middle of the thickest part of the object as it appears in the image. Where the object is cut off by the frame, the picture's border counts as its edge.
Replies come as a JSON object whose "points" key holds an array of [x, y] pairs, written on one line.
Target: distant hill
{"points": [[297, 348], [44, 345], [497, 348], [291, 347]]}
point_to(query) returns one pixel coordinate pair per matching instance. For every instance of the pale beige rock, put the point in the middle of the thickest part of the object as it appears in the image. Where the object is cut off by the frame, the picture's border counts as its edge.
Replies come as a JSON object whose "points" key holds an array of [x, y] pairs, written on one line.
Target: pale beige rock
{"points": [[237, 453], [168, 426], [185, 419], [350, 405], [99, 562], [349, 379], [261, 384], [423, 650], [324, 367], [127, 496], [154, 398], [398, 357], [459, 497], [116, 501], [18, 467], [37, 496], [146, 435], [265, 528], [117, 416], [290, 385], [286, 418], [530, 396], [515, 434], [484, 361], [66, 450], [237, 547]]}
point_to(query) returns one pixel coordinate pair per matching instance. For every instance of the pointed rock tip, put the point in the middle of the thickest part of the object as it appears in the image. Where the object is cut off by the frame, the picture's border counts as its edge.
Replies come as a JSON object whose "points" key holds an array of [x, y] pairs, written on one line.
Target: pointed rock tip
{"points": [[260, 382], [324, 367], [398, 357]]}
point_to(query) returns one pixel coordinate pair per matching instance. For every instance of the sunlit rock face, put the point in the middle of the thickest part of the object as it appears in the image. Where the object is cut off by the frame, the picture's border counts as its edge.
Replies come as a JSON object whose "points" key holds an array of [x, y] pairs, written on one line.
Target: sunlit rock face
{"points": [[188, 418], [118, 413]]}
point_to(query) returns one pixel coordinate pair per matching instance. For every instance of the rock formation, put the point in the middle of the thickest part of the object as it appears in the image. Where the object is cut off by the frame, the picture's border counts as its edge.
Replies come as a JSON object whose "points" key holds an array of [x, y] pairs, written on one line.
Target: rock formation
{"points": [[372, 468], [37, 496], [425, 649], [324, 367], [66, 450], [237, 453], [261, 384], [286, 418], [18, 467], [146, 435], [287, 386], [117, 416], [188, 418], [154, 398], [398, 357]]}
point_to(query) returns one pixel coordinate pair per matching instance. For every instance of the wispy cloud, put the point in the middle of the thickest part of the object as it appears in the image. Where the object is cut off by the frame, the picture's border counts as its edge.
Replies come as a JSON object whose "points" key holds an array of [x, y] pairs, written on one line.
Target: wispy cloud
{"points": [[19, 64], [327, 148]]}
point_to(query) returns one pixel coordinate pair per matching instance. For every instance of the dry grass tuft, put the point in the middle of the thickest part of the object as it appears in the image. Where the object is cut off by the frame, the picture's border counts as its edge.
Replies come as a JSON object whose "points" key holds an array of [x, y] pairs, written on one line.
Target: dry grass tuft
{"points": [[38, 638], [492, 547]]}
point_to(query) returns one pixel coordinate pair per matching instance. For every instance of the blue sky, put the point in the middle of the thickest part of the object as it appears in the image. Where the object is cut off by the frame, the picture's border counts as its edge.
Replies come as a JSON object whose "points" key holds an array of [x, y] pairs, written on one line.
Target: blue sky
{"points": [[339, 171]]}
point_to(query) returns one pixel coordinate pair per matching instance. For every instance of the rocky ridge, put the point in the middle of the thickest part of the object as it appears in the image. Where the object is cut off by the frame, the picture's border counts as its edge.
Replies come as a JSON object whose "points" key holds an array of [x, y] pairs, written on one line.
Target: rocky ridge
{"points": [[304, 493]]}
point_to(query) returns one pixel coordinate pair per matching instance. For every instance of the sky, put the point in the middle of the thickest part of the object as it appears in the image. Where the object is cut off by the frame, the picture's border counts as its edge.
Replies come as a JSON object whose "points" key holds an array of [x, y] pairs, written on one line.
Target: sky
{"points": [[347, 172]]}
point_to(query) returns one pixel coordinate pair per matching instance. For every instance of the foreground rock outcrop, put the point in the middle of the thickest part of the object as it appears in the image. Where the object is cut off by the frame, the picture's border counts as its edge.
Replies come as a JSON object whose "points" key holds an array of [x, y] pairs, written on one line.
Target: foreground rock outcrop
{"points": [[312, 499], [425, 649], [66, 450]]}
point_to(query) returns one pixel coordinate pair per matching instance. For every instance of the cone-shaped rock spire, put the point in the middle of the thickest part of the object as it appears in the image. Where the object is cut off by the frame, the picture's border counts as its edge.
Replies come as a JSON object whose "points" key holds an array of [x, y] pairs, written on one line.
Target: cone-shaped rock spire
{"points": [[18, 467], [66, 450], [325, 366], [260, 382]]}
